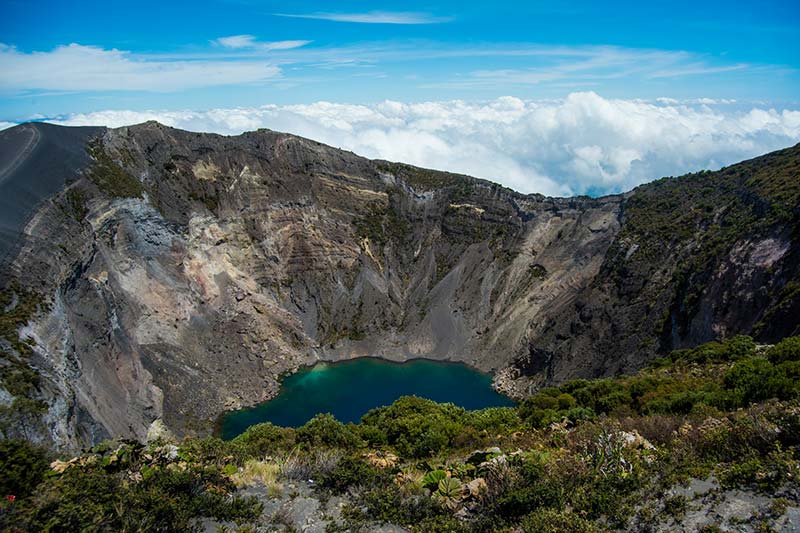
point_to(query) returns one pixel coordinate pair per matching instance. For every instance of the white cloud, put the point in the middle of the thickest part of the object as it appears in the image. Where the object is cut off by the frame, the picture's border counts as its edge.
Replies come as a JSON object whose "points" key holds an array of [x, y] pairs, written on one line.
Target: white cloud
{"points": [[243, 59], [236, 41], [589, 65], [581, 144], [696, 69], [372, 17], [249, 41], [76, 67]]}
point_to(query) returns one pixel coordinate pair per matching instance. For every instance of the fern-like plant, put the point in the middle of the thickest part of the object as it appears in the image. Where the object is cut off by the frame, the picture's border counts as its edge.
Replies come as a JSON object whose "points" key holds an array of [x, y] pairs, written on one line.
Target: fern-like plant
{"points": [[432, 479], [449, 492], [449, 487]]}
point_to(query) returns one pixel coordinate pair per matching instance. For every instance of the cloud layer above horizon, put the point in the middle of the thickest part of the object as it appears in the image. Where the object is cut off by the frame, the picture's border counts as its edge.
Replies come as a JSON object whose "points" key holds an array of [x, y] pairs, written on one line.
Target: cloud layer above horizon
{"points": [[582, 144]]}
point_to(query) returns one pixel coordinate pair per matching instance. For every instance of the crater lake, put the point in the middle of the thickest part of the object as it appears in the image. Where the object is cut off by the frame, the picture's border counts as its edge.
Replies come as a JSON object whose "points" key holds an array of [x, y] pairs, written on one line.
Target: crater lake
{"points": [[349, 389]]}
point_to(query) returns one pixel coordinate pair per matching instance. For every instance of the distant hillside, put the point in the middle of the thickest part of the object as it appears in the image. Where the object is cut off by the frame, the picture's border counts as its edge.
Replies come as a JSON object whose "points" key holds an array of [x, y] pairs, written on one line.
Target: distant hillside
{"points": [[699, 257]]}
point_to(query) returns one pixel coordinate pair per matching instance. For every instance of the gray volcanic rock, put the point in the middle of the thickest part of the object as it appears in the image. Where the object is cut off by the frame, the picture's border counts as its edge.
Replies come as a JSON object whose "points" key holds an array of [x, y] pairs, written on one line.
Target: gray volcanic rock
{"points": [[182, 273], [36, 160]]}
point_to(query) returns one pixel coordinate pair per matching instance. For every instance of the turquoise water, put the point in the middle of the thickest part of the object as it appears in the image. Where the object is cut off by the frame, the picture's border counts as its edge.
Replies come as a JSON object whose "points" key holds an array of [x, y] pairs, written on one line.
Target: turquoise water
{"points": [[349, 389]]}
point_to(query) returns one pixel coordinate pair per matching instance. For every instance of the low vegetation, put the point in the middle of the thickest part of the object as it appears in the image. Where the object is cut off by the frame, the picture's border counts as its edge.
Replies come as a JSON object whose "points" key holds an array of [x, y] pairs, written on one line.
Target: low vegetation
{"points": [[381, 224], [422, 178], [20, 416], [589, 455], [688, 226], [109, 176]]}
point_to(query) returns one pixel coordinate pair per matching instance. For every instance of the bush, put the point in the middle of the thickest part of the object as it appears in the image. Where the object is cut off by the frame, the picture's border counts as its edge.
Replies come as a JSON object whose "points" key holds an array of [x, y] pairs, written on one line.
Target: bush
{"points": [[765, 473], [325, 430], [542, 494], [566, 401], [493, 419], [207, 450], [372, 435], [717, 352], [553, 521], [22, 465], [417, 427], [69, 503], [442, 523], [755, 379], [579, 414], [263, 439], [541, 418], [786, 350], [95, 497], [541, 402], [585, 478], [351, 472]]}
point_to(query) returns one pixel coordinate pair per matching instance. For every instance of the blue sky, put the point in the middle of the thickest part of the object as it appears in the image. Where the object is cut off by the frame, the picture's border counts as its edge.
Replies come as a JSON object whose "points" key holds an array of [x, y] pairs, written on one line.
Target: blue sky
{"points": [[146, 55], [555, 97]]}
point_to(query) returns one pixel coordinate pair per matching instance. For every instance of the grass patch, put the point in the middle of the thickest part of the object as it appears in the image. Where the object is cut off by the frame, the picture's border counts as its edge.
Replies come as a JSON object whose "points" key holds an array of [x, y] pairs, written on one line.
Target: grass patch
{"points": [[264, 472]]}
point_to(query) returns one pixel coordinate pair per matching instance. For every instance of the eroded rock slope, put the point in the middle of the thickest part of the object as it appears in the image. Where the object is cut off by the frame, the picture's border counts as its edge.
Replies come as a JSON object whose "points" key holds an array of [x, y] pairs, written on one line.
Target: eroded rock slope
{"points": [[180, 274]]}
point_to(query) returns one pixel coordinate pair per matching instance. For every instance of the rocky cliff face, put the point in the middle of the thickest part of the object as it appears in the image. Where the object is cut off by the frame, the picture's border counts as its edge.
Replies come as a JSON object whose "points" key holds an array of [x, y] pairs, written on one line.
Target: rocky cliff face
{"points": [[180, 274]]}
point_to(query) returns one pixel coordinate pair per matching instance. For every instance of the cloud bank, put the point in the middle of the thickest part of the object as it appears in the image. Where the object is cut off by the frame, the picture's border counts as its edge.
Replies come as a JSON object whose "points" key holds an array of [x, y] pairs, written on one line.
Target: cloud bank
{"points": [[245, 61], [582, 144]]}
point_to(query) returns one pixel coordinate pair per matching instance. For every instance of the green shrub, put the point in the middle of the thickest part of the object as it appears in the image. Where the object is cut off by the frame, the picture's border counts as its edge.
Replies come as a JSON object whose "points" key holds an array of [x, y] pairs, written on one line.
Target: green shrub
{"points": [[417, 427], [325, 430], [676, 506], [109, 176], [543, 409], [555, 521], [442, 523], [579, 414], [542, 418], [613, 400], [351, 472], [73, 501], [716, 352], [755, 379], [542, 401], [518, 502], [264, 439], [22, 467], [208, 450], [95, 497], [767, 473], [741, 474], [384, 504], [703, 418], [566, 401], [786, 350], [493, 419], [373, 436]]}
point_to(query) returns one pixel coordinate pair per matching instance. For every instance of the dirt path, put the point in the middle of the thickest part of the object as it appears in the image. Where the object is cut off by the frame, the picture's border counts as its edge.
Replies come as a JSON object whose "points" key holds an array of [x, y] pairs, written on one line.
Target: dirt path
{"points": [[22, 153]]}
